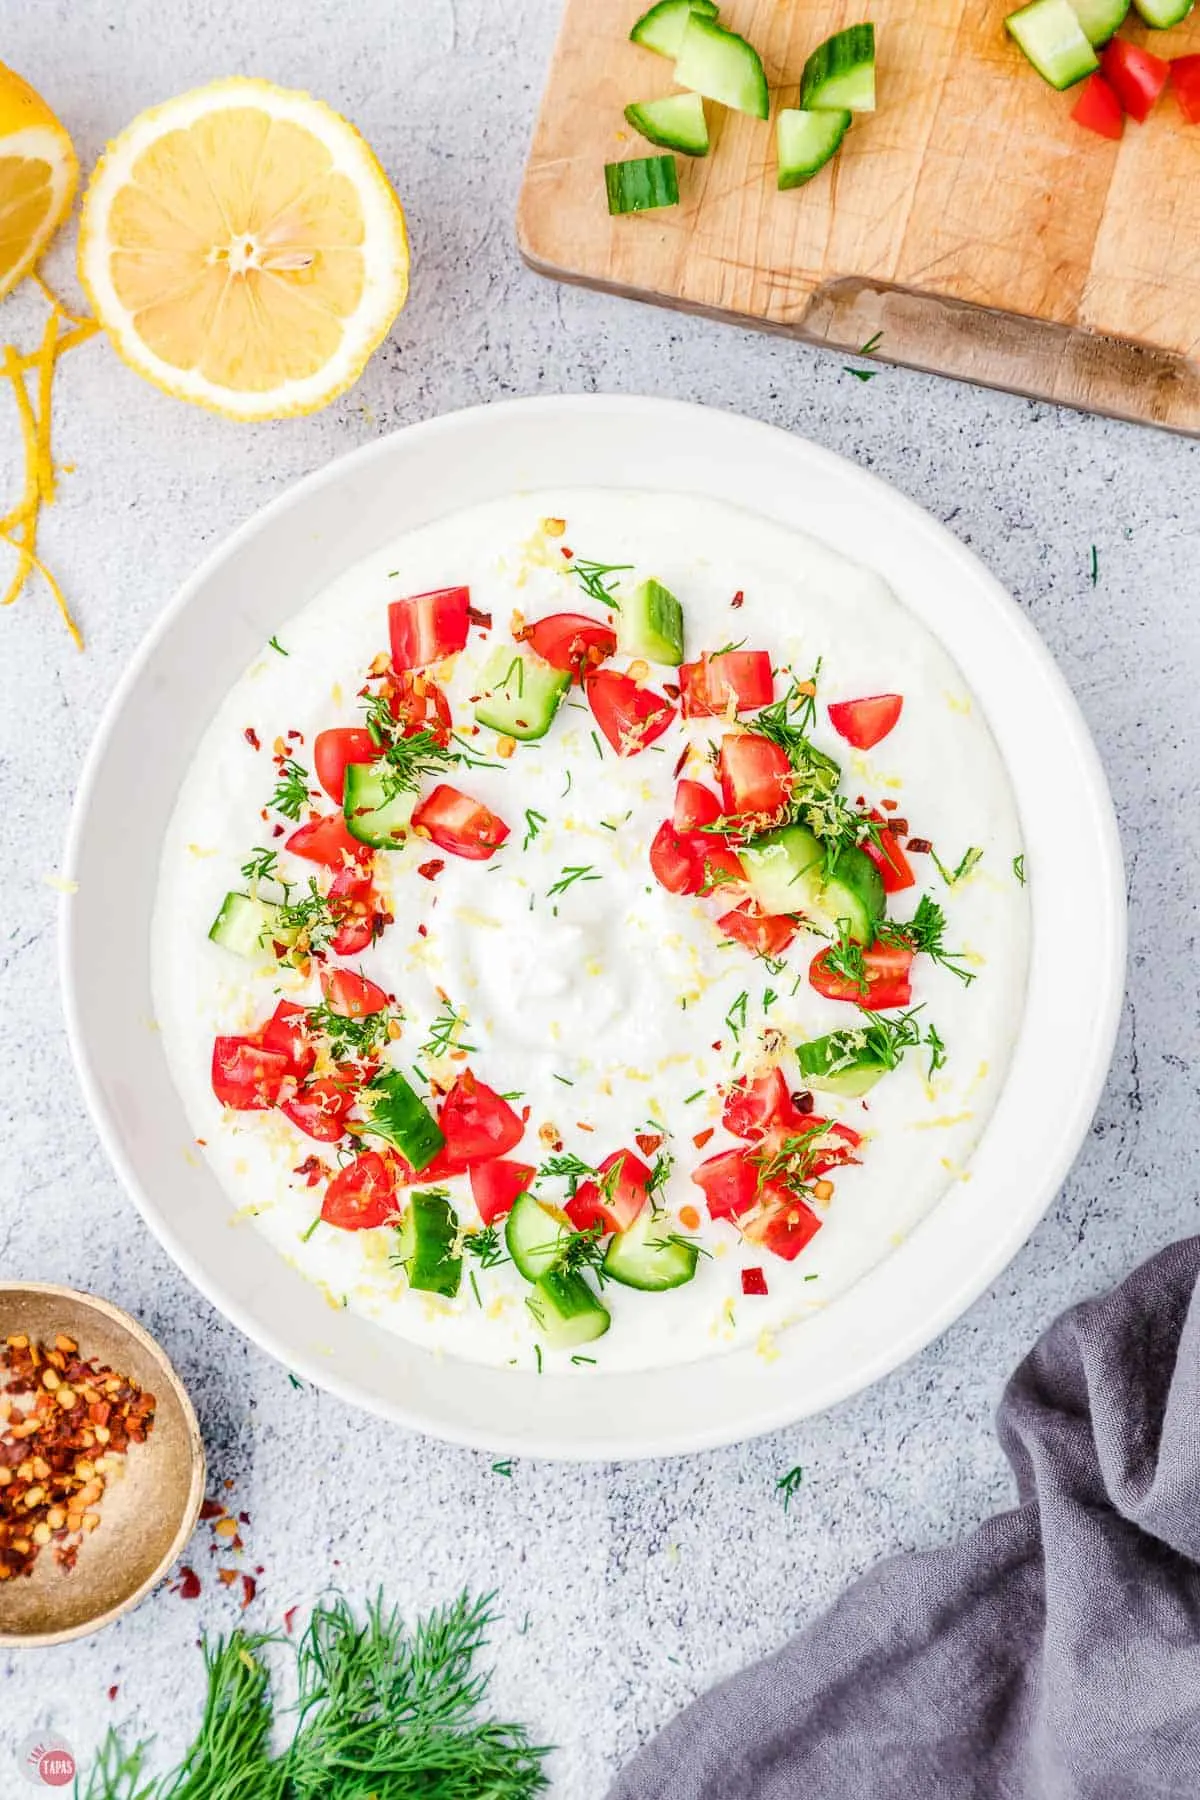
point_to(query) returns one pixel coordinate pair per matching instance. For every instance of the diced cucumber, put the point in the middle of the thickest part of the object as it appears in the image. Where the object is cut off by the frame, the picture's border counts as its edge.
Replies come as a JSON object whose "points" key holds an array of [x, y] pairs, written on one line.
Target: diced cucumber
{"points": [[565, 1309], [372, 815], [647, 1256], [641, 184], [1159, 13], [519, 692], [854, 892], [784, 870], [396, 1112], [1100, 18], [807, 140], [662, 28], [425, 1244], [249, 926], [651, 624], [840, 73], [1051, 36], [723, 67], [536, 1236], [677, 123], [841, 1063]]}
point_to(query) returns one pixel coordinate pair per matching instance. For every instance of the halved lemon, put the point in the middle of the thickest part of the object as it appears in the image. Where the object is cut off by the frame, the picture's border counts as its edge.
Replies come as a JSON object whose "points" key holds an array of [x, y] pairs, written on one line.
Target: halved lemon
{"points": [[38, 177], [243, 248]]}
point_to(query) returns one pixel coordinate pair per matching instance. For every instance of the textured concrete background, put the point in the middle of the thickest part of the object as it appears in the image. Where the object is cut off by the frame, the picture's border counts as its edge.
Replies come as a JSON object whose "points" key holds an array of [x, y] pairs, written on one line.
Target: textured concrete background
{"points": [[636, 1585]]}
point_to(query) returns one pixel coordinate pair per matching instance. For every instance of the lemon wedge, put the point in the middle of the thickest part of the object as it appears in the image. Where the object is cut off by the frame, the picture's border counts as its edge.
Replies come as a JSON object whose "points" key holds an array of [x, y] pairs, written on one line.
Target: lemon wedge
{"points": [[38, 177], [243, 249]]}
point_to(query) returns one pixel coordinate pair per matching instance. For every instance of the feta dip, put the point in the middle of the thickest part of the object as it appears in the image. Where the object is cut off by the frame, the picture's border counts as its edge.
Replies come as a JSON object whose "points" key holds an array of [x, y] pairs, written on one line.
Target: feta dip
{"points": [[593, 931]]}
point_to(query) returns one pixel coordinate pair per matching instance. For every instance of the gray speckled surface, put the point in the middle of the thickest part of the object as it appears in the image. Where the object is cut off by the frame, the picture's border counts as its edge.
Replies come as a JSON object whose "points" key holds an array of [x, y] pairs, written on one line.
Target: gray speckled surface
{"points": [[641, 1583]]}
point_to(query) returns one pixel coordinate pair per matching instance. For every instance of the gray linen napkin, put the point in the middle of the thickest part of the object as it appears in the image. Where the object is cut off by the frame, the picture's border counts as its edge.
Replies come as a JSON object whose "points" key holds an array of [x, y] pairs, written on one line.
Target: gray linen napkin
{"points": [[1052, 1655]]}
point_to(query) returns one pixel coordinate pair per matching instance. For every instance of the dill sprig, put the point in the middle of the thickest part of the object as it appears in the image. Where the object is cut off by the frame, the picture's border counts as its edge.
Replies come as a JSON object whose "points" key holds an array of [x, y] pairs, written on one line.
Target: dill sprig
{"points": [[487, 1246], [262, 865], [572, 873], [311, 917], [408, 757], [291, 789], [965, 864], [591, 578], [788, 1484], [445, 1033], [925, 933], [533, 825], [352, 1037]]}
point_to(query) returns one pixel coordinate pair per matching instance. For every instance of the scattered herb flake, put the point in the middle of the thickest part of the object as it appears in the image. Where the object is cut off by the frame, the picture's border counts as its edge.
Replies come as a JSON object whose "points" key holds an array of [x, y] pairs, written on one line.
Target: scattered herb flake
{"points": [[788, 1484], [572, 873], [503, 1468], [1018, 868], [533, 824], [966, 863], [291, 790], [590, 576], [275, 645]]}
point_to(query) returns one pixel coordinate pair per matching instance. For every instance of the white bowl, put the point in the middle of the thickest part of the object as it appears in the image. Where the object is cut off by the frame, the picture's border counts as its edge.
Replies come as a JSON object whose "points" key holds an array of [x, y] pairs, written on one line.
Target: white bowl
{"points": [[266, 571]]}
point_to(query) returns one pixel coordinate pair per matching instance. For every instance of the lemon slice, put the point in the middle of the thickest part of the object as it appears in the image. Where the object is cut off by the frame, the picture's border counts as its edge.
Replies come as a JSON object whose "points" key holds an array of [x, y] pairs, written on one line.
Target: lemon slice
{"points": [[243, 249], [38, 177]]}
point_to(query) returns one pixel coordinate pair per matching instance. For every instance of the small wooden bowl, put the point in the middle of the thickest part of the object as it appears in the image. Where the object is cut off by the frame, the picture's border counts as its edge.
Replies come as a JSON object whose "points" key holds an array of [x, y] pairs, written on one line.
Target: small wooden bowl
{"points": [[149, 1510]]}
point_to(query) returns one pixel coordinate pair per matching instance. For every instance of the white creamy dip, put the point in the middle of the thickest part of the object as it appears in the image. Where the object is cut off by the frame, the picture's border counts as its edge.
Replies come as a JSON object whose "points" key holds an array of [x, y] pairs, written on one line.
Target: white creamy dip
{"points": [[604, 1005]]}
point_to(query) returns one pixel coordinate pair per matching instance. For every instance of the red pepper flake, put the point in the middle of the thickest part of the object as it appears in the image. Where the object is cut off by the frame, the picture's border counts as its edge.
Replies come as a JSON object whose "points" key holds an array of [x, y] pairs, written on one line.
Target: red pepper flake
{"points": [[753, 1281], [919, 846], [252, 738], [803, 1103], [114, 1691], [889, 805], [249, 1589], [739, 599], [671, 689], [244, 1518], [701, 1138], [525, 1112], [289, 1617], [227, 1577], [228, 1484], [565, 552], [212, 1509], [422, 931], [189, 1585], [297, 737], [581, 1125], [313, 1170], [648, 1141], [277, 831], [717, 1044], [431, 869], [482, 619], [677, 771]]}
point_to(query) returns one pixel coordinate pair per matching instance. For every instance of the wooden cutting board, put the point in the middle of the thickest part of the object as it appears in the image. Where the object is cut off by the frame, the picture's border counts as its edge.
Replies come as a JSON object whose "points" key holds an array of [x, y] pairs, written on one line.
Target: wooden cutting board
{"points": [[969, 221]]}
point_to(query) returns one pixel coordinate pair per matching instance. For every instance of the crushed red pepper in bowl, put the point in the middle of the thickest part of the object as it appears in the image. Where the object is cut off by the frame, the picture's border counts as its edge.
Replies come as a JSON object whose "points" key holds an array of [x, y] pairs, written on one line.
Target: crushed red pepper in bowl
{"points": [[64, 1421]]}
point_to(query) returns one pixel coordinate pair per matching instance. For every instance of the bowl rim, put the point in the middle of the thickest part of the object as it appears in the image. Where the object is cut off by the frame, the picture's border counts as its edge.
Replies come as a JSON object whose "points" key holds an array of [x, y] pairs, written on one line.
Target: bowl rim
{"points": [[116, 1315], [1108, 896]]}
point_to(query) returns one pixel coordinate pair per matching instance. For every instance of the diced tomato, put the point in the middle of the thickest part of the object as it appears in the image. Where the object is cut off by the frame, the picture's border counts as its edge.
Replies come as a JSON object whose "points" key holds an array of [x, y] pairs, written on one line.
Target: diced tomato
{"points": [[286, 1033], [629, 716], [695, 805], [1185, 79], [785, 1225], [327, 841], [615, 1203], [495, 1185], [321, 1108], [756, 776], [730, 1183], [572, 641], [246, 1076], [887, 853], [752, 1108], [362, 1195], [742, 677], [354, 936], [1136, 77], [427, 627], [753, 1281], [1098, 109], [456, 823], [831, 1146], [675, 860], [353, 902], [767, 934], [418, 704], [721, 867], [477, 1123], [351, 995], [334, 751], [886, 968], [865, 723]]}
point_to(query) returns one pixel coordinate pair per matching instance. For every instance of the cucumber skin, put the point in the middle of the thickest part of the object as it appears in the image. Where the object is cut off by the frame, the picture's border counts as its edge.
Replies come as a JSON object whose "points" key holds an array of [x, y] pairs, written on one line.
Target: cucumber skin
{"points": [[362, 803], [392, 1094], [230, 929], [794, 173], [855, 892], [1086, 63], [542, 692], [779, 866], [428, 1273], [643, 115], [840, 73], [851, 1080], [632, 1262], [535, 1241], [1100, 19], [641, 184], [565, 1310], [702, 40], [639, 635], [1160, 18], [656, 29]]}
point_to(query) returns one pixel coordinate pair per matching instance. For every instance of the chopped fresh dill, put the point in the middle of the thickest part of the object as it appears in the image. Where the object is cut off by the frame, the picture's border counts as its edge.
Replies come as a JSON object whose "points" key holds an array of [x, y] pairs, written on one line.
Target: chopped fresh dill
{"points": [[1094, 567], [966, 863], [845, 958], [605, 825], [690, 1097], [475, 1289], [274, 644], [359, 1037], [871, 344], [503, 1468], [774, 965], [486, 1246], [591, 578], [937, 1050], [735, 1018], [262, 866], [1018, 868], [565, 1079], [444, 1033], [537, 1351], [660, 1173], [599, 746], [769, 998], [291, 789], [678, 1238], [925, 933], [311, 918], [860, 374], [788, 1484], [584, 1359], [567, 789], [296, 1381], [572, 873], [533, 824]]}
